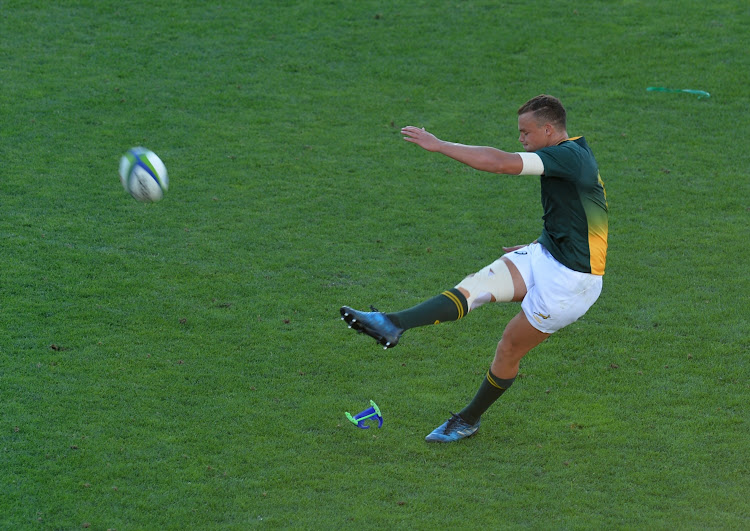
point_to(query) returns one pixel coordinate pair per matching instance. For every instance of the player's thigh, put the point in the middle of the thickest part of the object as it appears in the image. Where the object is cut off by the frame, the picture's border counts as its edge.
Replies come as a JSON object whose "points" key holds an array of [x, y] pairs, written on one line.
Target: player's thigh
{"points": [[522, 260], [560, 296]]}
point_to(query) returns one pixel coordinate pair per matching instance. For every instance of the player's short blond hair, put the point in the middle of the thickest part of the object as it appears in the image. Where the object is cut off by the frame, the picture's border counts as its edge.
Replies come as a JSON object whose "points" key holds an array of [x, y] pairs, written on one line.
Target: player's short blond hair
{"points": [[546, 109]]}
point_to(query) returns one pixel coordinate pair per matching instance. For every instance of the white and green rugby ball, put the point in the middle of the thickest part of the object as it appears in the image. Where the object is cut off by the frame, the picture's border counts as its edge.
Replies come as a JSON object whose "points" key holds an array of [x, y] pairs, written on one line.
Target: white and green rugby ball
{"points": [[143, 175]]}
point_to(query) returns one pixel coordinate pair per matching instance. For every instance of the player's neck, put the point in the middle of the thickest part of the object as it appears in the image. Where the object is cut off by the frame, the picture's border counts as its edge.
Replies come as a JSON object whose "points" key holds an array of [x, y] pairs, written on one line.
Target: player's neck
{"points": [[559, 138]]}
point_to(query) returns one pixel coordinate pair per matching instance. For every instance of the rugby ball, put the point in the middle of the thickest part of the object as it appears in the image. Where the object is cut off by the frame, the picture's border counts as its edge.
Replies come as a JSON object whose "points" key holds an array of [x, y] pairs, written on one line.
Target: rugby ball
{"points": [[143, 175]]}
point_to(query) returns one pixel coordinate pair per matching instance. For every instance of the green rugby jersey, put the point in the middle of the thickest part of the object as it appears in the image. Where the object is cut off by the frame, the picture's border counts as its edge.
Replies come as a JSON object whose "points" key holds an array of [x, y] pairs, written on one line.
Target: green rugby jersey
{"points": [[575, 206]]}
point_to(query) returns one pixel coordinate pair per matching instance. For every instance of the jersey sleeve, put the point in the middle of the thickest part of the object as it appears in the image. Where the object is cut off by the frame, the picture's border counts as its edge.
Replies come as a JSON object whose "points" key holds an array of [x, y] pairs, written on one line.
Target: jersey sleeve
{"points": [[560, 161]]}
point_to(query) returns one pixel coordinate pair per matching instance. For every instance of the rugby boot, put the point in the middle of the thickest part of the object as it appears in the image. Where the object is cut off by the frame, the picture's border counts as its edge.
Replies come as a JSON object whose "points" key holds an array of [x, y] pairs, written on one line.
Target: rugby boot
{"points": [[454, 429], [375, 324]]}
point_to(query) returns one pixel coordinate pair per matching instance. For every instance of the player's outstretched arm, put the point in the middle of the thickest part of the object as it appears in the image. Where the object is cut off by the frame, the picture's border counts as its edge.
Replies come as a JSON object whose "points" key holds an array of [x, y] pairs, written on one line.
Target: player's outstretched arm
{"points": [[478, 157]]}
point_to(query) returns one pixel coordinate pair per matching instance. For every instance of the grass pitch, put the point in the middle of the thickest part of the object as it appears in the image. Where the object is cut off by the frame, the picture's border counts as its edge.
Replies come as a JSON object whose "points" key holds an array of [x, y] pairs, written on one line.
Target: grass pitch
{"points": [[182, 365]]}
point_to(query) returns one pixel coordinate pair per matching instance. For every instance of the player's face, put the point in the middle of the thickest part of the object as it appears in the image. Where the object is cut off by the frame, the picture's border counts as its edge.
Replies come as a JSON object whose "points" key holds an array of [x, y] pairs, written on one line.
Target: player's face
{"points": [[533, 135]]}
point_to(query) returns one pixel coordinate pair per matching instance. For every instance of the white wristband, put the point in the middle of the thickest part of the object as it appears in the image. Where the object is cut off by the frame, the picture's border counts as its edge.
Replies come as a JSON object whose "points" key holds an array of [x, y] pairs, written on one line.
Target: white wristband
{"points": [[532, 164]]}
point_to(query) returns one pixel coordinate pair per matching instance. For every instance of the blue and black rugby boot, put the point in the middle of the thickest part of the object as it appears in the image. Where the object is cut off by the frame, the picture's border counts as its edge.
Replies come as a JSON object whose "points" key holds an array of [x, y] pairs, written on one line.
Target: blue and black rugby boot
{"points": [[454, 429], [374, 324]]}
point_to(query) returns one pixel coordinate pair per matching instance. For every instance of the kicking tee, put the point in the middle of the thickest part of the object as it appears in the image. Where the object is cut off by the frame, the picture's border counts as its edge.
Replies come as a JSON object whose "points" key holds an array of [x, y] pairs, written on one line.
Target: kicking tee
{"points": [[575, 206]]}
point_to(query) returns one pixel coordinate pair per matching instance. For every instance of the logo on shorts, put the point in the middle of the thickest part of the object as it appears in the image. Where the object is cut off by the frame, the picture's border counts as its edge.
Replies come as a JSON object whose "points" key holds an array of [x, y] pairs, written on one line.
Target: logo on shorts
{"points": [[540, 314], [520, 252]]}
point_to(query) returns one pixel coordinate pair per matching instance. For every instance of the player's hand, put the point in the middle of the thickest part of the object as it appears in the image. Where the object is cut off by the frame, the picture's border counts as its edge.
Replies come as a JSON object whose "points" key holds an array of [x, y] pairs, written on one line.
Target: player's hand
{"points": [[421, 137], [516, 247]]}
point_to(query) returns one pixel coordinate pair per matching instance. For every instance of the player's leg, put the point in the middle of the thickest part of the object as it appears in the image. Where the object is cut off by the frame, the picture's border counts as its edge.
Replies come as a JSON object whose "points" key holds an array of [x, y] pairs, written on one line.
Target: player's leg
{"points": [[578, 291], [450, 305], [557, 296], [518, 339], [498, 282]]}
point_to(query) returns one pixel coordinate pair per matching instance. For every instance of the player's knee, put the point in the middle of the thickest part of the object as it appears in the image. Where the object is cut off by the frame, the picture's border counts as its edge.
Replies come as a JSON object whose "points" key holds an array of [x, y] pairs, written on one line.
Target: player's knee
{"points": [[472, 291], [491, 284], [506, 359], [508, 351]]}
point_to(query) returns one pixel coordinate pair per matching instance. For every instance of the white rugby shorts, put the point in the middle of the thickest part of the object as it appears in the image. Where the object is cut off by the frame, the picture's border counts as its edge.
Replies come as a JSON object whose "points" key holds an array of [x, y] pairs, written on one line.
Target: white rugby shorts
{"points": [[555, 295]]}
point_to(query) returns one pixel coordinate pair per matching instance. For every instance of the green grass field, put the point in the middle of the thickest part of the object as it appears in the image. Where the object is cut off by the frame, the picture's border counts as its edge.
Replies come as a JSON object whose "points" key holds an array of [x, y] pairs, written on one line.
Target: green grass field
{"points": [[182, 365]]}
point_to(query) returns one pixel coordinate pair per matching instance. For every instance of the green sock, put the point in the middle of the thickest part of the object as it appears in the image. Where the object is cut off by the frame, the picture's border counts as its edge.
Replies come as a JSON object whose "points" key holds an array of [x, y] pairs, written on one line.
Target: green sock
{"points": [[490, 390], [450, 305]]}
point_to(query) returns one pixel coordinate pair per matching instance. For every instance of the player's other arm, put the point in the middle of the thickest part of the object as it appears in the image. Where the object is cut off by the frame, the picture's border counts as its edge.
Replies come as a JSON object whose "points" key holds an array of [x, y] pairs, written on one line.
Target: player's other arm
{"points": [[478, 157]]}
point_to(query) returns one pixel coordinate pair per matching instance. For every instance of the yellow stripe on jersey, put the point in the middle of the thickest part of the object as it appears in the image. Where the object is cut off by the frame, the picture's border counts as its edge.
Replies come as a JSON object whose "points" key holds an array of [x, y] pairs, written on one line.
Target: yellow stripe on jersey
{"points": [[598, 250], [457, 302], [598, 232]]}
